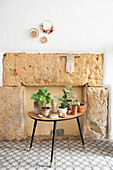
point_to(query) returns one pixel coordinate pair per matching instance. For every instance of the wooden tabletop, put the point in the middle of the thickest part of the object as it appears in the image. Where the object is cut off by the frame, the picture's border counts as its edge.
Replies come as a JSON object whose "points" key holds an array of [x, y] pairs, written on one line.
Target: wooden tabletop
{"points": [[34, 116]]}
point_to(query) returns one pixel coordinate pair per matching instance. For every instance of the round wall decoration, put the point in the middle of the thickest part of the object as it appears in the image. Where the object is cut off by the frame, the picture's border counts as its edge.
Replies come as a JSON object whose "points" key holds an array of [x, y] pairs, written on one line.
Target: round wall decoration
{"points": [[33, 33], [43, 39], [47, 27]]}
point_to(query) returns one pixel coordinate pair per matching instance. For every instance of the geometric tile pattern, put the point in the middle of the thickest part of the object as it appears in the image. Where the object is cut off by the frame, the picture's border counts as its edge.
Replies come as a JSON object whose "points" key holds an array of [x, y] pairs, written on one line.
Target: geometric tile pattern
{"points": [[68, 155]]}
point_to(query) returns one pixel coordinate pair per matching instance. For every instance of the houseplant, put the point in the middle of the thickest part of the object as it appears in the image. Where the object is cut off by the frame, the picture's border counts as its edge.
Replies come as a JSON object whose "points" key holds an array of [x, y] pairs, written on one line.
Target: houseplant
{"points": [[38, 104], [62, 108], [75, 105], [68, 94], [41, 98], [81, 108]]}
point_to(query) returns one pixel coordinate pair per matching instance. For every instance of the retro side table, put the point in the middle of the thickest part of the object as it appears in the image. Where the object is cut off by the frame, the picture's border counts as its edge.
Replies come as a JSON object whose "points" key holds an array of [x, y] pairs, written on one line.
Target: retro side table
{"points": [[34, 116]]}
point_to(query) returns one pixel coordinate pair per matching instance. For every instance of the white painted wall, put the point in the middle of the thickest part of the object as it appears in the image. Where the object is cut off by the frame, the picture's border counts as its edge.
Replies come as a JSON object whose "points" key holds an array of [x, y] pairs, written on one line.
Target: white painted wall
{"points": [[81, 26]]}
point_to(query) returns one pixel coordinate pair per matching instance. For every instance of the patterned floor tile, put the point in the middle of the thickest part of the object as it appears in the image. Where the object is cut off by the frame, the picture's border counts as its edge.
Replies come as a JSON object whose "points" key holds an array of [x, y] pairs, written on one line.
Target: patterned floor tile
{"points": [[68, 155]]}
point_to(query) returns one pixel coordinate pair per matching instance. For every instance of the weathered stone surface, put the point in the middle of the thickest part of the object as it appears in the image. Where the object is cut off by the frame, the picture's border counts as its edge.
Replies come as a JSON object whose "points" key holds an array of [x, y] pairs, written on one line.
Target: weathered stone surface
{"points": [[12, 109], [50, 70], [97, 113]]}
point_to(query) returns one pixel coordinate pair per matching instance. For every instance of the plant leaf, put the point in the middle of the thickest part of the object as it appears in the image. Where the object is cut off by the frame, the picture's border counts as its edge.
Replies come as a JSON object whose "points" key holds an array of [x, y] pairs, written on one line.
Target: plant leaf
{"points": [[40, 102], [52, 101], [57, 97], [34, 97], [74, 94], [46, 101], [40, 91], [47, 97], [64, 90], [67, 90], [45, 89], [38, 96], [64, 97], [69, 86], [48, 94]]}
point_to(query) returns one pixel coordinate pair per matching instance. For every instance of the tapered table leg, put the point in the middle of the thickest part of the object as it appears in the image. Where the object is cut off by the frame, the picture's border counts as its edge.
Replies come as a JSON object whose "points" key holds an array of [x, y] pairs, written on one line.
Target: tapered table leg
{"points": [[54, 133], [35, 123], [80, 132]]}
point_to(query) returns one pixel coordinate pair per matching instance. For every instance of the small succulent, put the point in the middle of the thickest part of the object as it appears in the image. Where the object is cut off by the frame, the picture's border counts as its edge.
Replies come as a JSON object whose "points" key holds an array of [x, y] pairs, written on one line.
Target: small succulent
{"points": [[75, 103]]}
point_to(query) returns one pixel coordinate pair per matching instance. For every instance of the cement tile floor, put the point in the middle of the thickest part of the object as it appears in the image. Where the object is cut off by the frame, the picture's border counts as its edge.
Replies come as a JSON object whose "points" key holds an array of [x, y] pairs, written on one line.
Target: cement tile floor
{"points": [[68, 155]]}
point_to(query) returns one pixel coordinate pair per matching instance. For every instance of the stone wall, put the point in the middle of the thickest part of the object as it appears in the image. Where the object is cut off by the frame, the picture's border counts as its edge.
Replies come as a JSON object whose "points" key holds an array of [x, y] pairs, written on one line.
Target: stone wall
{"points": [[12, 110], [50, 70], [97, 113]]}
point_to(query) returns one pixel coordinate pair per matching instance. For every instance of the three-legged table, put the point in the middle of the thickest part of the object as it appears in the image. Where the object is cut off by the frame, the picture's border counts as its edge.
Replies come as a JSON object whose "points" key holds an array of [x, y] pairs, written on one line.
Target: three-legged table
{"points": [[36, 118]]}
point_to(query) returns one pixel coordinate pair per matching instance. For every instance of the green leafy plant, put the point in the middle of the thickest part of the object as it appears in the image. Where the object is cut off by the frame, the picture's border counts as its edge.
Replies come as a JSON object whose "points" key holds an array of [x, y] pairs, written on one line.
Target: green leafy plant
{"points": [[75, 103], [63, 102], [68, 93], [42, 96]]}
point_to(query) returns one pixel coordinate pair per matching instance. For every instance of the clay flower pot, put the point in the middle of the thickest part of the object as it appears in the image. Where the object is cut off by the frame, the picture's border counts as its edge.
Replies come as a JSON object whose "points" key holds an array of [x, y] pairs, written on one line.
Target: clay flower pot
{"points": [[69, 112], [37, 107], [81, 108], [74, 109], [45, 111]]}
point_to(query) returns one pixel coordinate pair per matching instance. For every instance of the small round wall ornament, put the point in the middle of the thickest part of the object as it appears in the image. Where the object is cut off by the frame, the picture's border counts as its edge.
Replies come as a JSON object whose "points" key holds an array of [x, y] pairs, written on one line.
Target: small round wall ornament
{"points": [[47, 27], [43, 39], [33, 33]]}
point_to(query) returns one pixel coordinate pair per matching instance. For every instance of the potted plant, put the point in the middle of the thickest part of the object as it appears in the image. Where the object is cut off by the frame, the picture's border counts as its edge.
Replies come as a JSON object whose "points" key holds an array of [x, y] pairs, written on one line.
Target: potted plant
{"points": [[68, 94], [46, 99], [41, 98], [75, 105], [81, 108], [62, 108], [38, 103]]}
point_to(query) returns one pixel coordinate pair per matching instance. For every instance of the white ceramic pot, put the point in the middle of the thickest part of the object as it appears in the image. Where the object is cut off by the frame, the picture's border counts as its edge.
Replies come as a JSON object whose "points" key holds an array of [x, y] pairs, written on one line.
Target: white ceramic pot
{"points": [[45, 111], [62, 111]]}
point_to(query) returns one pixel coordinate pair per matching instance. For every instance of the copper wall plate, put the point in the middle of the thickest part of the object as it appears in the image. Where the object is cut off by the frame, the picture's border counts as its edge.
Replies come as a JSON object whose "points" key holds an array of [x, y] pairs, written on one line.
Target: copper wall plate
{"points": [[33, 33], [43, 39]]}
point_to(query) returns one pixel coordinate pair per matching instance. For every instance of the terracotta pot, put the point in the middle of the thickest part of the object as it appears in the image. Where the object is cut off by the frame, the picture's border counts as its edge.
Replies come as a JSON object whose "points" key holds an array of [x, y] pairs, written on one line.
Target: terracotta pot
{"points": [[45, 111], [81, 108], [37, 107], [74, 109], [69, 112]]}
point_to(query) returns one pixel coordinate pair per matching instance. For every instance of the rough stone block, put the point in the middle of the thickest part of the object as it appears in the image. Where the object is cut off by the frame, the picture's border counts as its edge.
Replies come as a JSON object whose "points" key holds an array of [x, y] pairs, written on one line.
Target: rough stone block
{"points": [[97, 112], [12, 110], [50, 70]]}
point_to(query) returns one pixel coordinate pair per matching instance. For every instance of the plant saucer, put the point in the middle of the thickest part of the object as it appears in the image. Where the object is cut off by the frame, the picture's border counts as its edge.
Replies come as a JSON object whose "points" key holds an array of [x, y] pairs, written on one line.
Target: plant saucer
{"points": [[40, 115], [64, 116]]}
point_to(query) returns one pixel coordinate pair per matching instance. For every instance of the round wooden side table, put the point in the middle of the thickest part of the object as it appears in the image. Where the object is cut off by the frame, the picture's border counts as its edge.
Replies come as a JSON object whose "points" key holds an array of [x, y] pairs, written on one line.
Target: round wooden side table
{"points": [[36, 118]]}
